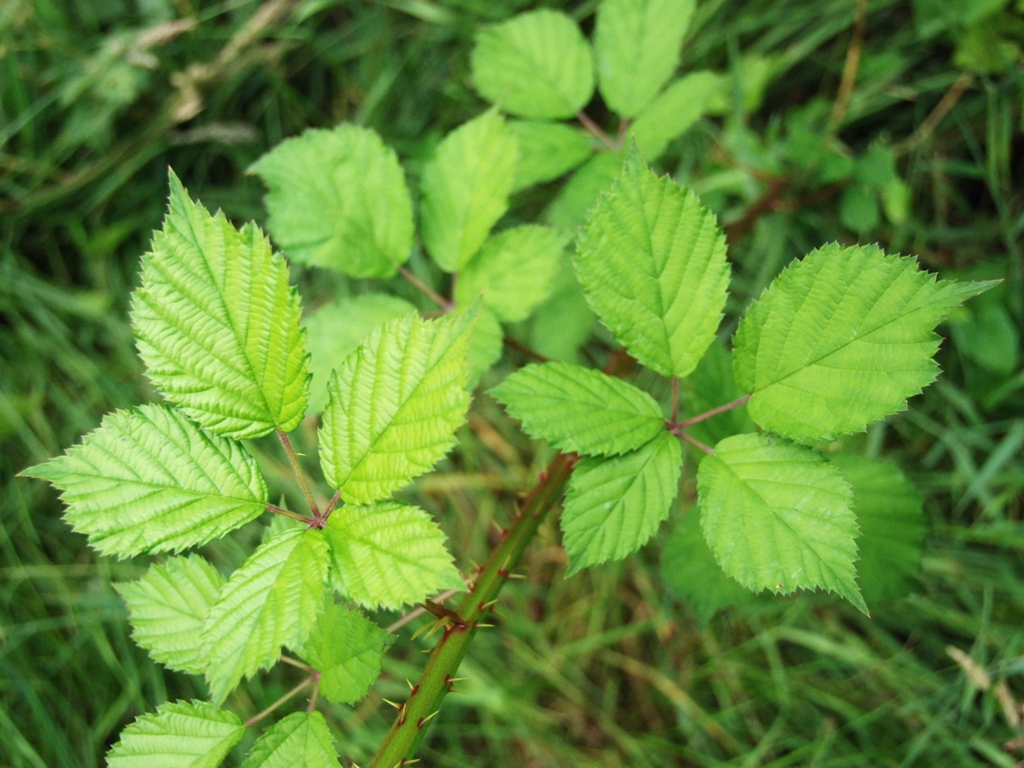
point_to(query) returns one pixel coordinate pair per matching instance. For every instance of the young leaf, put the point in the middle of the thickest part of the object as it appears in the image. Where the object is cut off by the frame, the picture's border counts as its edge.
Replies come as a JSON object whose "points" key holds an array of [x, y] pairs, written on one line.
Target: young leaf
{"points": [[167, 607], [671, 114], [892, 526], [466, 187], [149, 480], [301, 739], [841, 339], [394, 406], [580, 410], [535, 65], [636, 44], [217, 324], [346, 648], [514, 271], [388, 555], [189, 734], [569, 209], [778, 516], [335, 330], [652, 264], [272, 600], [547, 151], [338, 199], [615, 505], [690, 570]]}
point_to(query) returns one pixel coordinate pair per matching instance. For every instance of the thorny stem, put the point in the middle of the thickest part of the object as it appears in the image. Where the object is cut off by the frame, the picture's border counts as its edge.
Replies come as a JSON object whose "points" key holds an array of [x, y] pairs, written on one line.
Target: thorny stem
{"points": [[438, 676], [331, 505], [291, 694], [415, 613], [426, 290], [299, 474], [595, 129], [287, 513]]}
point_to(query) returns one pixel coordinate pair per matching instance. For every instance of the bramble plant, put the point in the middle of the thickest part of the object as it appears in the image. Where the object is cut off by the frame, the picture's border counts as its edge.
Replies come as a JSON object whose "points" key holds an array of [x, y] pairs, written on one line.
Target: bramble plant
{"points": [[839, 340]]}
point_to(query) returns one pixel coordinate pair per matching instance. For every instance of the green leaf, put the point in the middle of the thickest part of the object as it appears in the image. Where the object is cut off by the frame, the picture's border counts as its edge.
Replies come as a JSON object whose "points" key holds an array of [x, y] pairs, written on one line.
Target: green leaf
{"points": [[778, 516], [301, 740], [346, 648], [577, 197], [149, 480], [485, 344], [167, 607], [689, 569], [394, 406], [652, 264], [547, 151], [272, 600], [217, 324], [613, 506], [388, 555], [670, 115], [563, 323], [514, 271], [580, 410], [637, 47], [535, 65], [338, 199], [466, 187], [335, 330], [180, 735], [892, 526], [841, 339]]}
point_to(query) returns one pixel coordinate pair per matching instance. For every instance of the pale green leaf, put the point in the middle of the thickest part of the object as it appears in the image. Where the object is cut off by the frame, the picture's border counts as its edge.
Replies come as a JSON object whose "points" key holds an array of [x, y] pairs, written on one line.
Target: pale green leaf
{"points": [[388, 555], [167, 607], [563, 323], [514, 271], [670, 115], [689, 569], [217, 324], [180, 735], [301, 740], [637, 47], [149, 480], [535, 65], [841, 339], [579, 410], [466, 187], [270, 601], [485, 344], [335, 330], [892, 527], [547, 151], [394, 406], [338, 199], [346, 648], [778, 516], [569, 209], [613, 506], [652, 264]]}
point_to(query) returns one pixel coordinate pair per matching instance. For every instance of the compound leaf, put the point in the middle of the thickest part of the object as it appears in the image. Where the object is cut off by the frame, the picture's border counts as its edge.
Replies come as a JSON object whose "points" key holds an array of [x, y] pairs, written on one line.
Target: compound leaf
{"points": [[892, 527], [301, 739], [388, 555], [271, 600], [613, 506], [514, 271], [547, 151], [338, 199], [180, 735], [778, 516], [346, 648], [842, 339], [218, 325], [580, 410], [651, 260], [671, 114], [167, 607], [466, 187], [149, 480], [335, 330], [395, 404], [637, 46], [535, 65]]}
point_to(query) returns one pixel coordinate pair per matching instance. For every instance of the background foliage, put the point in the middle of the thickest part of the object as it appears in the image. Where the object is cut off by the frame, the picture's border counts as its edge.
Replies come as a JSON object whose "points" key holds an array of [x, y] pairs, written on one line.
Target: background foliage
{"points": [[920, 151]]}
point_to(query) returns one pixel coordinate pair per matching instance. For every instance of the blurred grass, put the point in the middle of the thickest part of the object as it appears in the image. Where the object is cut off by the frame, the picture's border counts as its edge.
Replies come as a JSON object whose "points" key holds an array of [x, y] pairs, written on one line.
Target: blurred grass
{"points": [[98, 97]]}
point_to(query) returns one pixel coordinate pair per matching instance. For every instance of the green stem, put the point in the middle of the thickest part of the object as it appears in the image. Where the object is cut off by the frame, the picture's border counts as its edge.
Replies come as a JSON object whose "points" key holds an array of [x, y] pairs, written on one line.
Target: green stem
{"points": [[438, 676], [299, 474]]}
